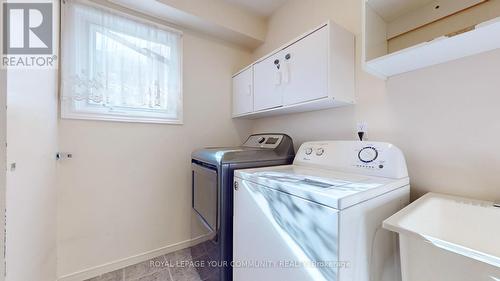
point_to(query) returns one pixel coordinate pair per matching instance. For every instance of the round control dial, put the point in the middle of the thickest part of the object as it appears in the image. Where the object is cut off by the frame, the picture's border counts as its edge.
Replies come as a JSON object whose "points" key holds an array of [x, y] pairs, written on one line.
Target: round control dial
{"points": [[368, 154], [320, 151], [309, 151]]}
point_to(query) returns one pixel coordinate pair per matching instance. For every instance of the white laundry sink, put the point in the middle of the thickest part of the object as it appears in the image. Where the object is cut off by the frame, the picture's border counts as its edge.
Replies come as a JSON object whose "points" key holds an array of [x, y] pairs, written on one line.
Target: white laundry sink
{"points": [[448, 238]]}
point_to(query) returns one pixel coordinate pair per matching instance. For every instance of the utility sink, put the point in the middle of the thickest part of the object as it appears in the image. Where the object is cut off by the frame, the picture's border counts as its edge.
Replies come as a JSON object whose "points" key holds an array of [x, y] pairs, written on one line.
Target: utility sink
{"points": [[446, 237]]}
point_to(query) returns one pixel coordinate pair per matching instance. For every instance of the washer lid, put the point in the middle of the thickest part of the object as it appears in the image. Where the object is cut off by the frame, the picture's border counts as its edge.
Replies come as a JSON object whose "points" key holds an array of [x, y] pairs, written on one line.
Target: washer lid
{"points": [[331, 188]]}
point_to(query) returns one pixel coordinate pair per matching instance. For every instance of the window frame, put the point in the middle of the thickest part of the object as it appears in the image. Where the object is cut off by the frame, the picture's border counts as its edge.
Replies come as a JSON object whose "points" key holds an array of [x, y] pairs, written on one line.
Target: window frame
{"points": [[67, 107]]}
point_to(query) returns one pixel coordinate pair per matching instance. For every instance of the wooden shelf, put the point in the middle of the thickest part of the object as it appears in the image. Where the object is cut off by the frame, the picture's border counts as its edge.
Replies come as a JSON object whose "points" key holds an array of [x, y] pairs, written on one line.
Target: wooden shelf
{"points": [[482, 38]]}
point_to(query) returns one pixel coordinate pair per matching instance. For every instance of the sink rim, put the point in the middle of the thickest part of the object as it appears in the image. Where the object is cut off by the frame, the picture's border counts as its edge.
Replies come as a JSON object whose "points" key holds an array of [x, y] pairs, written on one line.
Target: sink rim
{"points": [[395, 224]]}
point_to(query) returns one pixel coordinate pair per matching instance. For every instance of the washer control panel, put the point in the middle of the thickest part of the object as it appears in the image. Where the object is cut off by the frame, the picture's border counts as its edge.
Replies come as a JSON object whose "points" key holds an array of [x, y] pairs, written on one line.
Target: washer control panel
{"points": [[370, 158], [312, 152], [320, 151], [264, 141], [368, 154]]}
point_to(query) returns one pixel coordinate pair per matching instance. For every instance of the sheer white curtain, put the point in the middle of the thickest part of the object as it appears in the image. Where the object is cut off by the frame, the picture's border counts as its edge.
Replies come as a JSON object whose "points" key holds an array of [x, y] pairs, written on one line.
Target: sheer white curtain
{"points": [[118, 68]]}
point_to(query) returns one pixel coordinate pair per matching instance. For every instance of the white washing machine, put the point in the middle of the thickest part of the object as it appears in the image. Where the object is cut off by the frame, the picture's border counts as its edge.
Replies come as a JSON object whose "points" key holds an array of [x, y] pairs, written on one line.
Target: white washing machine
{"points": [[321, 218]]}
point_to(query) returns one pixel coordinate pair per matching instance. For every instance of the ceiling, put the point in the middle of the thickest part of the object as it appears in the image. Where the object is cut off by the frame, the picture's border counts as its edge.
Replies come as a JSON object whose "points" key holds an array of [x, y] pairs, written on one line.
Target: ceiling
{"points": [[389, 10], [263, 8]]}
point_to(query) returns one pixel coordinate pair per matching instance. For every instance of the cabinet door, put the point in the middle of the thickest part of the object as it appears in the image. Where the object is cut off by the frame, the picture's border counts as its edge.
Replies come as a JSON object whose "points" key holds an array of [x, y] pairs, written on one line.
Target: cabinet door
{"points": [[243, 92], [305, 69], [32, 137], [268, 83]]}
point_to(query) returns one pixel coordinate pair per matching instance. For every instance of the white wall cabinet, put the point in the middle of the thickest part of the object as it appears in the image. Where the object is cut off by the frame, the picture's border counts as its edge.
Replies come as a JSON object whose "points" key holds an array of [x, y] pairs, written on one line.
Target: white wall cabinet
{"points": [[243, 92], [314, 71]]}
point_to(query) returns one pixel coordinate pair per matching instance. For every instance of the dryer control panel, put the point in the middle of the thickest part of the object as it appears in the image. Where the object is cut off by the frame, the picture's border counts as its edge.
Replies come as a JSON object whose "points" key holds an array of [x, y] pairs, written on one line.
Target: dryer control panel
{"points": [[368, 158], [264, 140]]}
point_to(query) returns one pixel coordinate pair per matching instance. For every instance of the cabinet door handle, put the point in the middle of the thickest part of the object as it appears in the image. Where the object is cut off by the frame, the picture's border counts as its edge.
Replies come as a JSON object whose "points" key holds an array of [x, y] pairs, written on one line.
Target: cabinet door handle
{"points": [[236, 185], [286, 72], [277, 78]]}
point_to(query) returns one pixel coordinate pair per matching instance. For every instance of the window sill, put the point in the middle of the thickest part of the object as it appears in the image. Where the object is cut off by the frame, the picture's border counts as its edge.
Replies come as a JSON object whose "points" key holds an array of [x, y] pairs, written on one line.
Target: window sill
{"points": [[76, 116]]}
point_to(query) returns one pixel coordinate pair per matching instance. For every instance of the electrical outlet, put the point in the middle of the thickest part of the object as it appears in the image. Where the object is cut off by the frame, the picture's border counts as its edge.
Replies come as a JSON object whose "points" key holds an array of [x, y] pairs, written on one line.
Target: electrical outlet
{"points": [[362, 129], [363, 126]]}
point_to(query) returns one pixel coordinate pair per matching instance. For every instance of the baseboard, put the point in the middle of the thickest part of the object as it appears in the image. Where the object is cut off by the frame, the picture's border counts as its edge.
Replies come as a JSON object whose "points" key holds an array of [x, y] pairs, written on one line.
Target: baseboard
{"points": [[118, 264]]}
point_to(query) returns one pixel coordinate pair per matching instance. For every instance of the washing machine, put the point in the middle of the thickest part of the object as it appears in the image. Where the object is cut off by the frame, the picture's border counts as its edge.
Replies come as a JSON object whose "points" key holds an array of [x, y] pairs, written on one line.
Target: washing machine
{"points": [[320, 219], [212, 195]]}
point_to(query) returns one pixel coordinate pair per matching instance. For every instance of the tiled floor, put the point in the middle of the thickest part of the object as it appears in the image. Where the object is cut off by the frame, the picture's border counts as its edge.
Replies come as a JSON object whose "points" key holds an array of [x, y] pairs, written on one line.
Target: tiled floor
{"points": [[177, 266]]}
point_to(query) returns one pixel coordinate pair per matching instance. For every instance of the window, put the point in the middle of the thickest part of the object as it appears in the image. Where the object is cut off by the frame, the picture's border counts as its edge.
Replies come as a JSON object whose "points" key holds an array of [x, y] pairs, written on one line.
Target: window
{"points": [[117, 68]]}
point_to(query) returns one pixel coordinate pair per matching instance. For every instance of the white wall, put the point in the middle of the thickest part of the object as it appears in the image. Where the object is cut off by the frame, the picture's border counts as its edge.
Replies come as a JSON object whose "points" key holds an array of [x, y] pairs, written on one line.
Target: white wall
{"points": [[127, 191], [444, 118], [235, 18], [376, 34], [238, 26]]}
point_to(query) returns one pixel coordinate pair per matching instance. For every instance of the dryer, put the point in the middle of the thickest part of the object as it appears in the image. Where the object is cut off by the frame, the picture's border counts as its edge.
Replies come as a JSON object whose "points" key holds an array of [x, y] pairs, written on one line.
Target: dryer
{"points": [[212, 193], [321, 218]]}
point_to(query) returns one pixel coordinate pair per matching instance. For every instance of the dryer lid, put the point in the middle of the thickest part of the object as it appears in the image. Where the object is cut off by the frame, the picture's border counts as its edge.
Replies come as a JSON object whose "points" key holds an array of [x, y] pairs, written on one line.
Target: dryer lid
{"points": [[258, 147]]}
